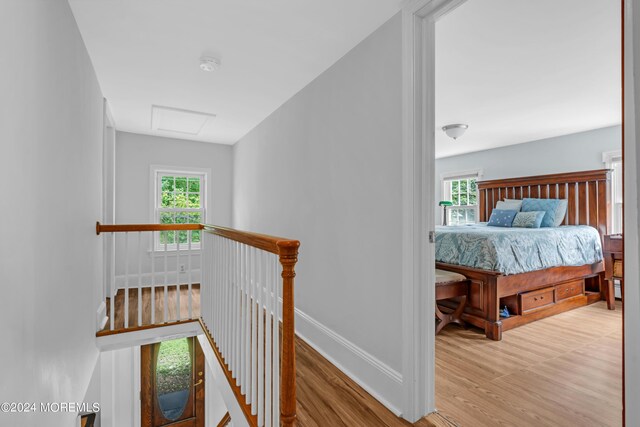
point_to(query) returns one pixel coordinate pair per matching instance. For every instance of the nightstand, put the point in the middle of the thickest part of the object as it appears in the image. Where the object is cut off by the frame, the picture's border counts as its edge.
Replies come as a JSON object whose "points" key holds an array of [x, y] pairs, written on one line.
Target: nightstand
{"points": [[613, 252]]}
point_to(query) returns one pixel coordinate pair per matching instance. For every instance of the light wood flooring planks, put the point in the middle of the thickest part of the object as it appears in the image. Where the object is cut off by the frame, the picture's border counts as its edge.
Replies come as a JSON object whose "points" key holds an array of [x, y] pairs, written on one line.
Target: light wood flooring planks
{"points": [[565, 370], [561, 371], [172, 306], [327, 397]]}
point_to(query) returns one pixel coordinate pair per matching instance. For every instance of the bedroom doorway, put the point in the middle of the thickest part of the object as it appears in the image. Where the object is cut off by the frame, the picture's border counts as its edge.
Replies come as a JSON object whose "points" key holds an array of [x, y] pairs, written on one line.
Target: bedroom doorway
{"points": [[421, 181]]}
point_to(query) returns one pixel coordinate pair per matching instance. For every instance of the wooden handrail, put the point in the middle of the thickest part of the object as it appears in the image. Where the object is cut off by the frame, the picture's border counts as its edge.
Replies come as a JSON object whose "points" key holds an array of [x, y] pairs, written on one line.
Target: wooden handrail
{"points": [[287, 252], [273, 244], [126, 228]]}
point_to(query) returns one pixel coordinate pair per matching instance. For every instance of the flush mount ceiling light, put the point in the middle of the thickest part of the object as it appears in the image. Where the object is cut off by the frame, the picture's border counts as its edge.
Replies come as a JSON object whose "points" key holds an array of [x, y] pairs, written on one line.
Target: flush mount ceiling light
{"points": [[209, 63], [455, 131]]}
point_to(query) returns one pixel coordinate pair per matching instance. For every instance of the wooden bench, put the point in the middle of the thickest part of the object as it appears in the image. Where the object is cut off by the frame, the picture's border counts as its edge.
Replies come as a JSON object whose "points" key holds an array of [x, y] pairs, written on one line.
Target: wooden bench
{"points": [[450, 285]]}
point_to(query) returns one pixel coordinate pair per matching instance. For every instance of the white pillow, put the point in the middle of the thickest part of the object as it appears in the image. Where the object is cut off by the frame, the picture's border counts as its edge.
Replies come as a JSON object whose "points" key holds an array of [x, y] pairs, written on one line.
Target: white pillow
{"points": [[510, 205]]}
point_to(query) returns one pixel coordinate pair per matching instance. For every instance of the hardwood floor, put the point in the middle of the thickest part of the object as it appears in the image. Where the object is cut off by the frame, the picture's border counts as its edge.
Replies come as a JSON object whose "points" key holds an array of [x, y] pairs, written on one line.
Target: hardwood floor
{"points": [[530, 378], [172, 306], [327, 397], [535, 376]]}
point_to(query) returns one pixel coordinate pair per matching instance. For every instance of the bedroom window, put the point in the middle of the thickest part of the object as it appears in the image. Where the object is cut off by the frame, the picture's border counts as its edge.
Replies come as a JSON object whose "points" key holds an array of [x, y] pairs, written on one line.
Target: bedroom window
{"points": [[462, 191], [613, 160], [180, 198]]}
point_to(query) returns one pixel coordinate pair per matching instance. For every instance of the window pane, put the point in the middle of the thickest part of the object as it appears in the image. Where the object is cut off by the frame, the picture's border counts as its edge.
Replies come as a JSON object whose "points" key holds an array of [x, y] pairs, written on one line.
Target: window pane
{"points": [[168, 200], [463, 199], [474, 186], [463, 186], [455, 199], [182, 218], [173, 377], [195, 236], [181, 200], [167, 237], [194, 200], [194, 185], [183, 236], [181, 184], [167, 183], [454, 186], [194, 218], [166, 218]]}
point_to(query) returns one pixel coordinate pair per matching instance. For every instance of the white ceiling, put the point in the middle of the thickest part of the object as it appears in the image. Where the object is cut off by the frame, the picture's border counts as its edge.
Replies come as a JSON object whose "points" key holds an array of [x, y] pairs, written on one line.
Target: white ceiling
{"points": [[146, 52], [522, 70]]}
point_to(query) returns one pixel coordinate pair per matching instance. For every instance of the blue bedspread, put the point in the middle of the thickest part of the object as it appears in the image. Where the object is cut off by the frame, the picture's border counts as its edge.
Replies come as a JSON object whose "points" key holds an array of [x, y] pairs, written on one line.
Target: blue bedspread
{"points": [[517, 250]]}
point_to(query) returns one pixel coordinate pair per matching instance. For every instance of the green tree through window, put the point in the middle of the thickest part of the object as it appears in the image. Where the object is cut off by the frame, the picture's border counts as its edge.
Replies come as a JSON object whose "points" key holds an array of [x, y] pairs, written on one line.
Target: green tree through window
{"points": [[180, 201]]}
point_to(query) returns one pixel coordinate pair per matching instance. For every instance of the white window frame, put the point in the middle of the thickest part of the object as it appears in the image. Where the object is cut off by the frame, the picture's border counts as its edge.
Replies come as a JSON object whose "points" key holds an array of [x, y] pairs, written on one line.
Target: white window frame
{"points": [[446, 191], [156, 171], [613, 160]]}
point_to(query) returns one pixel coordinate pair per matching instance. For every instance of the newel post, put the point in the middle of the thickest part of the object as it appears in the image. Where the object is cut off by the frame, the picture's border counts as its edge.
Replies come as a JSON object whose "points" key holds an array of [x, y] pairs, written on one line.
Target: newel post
{"points": [[288, 252]]}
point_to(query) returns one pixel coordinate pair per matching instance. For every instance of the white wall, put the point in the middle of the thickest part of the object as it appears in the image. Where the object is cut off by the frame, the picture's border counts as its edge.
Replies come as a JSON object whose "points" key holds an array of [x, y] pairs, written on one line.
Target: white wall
{"points": [[51, 116], [325, 168], [134, 156], [567, 153], [632, 219], [136, 153], [120, 390]]}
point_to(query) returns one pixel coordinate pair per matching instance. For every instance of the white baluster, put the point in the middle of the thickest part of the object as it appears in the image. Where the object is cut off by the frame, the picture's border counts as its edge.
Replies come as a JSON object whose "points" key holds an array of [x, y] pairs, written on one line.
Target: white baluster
{"points": [[166, 282], [139, 278], [247, 326], [275, 396], [189, 278], [260, 318], [268, 366], [112, 288], [153, 278], [177, 234], [254, 335], [126, 280]]}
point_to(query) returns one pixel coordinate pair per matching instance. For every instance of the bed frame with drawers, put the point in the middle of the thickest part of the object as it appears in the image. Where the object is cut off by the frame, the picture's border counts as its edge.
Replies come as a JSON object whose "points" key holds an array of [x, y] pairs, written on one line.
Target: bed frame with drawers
{"points": [[538, 294]]}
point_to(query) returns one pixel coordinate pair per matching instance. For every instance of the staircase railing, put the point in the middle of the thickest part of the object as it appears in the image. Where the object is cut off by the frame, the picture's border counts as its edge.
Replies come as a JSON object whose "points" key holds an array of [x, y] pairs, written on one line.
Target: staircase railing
{"points": [[247, 288], [153, 275], [238, 285]]}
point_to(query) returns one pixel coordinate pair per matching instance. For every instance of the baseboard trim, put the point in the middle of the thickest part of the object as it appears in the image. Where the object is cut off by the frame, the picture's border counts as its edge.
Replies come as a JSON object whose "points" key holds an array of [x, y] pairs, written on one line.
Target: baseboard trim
{"points": [[377, 378]]}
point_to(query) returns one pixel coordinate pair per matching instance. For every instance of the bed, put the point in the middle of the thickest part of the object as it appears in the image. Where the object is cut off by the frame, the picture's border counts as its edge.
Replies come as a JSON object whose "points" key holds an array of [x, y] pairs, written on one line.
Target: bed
{"points": [[535, 273]]}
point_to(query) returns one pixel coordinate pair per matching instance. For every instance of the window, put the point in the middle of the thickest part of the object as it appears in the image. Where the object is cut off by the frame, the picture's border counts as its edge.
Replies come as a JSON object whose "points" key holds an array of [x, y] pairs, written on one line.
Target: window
{"points": [[462, 191], [613, 160], [180, 198]]}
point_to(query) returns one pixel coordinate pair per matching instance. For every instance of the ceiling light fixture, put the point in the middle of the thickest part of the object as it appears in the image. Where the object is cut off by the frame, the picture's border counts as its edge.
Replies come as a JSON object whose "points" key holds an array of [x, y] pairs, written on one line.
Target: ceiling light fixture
{"points": [[455, 131], [209, 63]]}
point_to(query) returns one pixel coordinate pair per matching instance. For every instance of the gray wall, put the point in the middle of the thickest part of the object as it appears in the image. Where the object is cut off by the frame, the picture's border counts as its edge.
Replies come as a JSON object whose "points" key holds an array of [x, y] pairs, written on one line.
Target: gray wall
{"points": [[568, 153], [51, 116], [136, 153], [325, 168]]}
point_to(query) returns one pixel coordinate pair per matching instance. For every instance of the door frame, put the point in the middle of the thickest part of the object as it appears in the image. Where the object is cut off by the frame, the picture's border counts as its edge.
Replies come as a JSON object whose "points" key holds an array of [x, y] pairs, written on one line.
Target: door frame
{"points": [[418, 206], [149, 405]]}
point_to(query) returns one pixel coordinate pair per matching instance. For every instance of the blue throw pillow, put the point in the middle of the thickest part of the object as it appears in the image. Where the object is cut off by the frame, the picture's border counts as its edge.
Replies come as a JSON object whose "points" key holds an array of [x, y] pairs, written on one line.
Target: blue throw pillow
{"points": [[501, 218], [561, 212], [528, 219], [549, 206]]}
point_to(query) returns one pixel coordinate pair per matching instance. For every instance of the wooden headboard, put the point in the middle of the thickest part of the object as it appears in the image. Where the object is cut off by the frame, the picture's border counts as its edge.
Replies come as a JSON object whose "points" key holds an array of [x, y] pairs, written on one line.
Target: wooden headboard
{"points": [[587, 193]]}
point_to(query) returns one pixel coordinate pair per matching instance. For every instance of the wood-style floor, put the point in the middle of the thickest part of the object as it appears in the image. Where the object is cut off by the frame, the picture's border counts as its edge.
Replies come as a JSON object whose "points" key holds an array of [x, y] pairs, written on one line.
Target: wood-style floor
{"points": [[327, 397], [172, 306], [565, 370], [561, 371]]}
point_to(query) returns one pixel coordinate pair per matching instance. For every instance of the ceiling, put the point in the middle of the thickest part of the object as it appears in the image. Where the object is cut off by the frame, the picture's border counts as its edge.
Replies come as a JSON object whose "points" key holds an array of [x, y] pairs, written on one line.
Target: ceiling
{"points": [[523, 70], [146, 53]]}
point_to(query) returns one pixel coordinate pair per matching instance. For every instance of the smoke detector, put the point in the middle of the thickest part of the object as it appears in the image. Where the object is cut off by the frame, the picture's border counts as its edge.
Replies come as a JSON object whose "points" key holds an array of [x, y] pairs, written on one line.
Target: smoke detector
{"points": [[209, 63]]}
